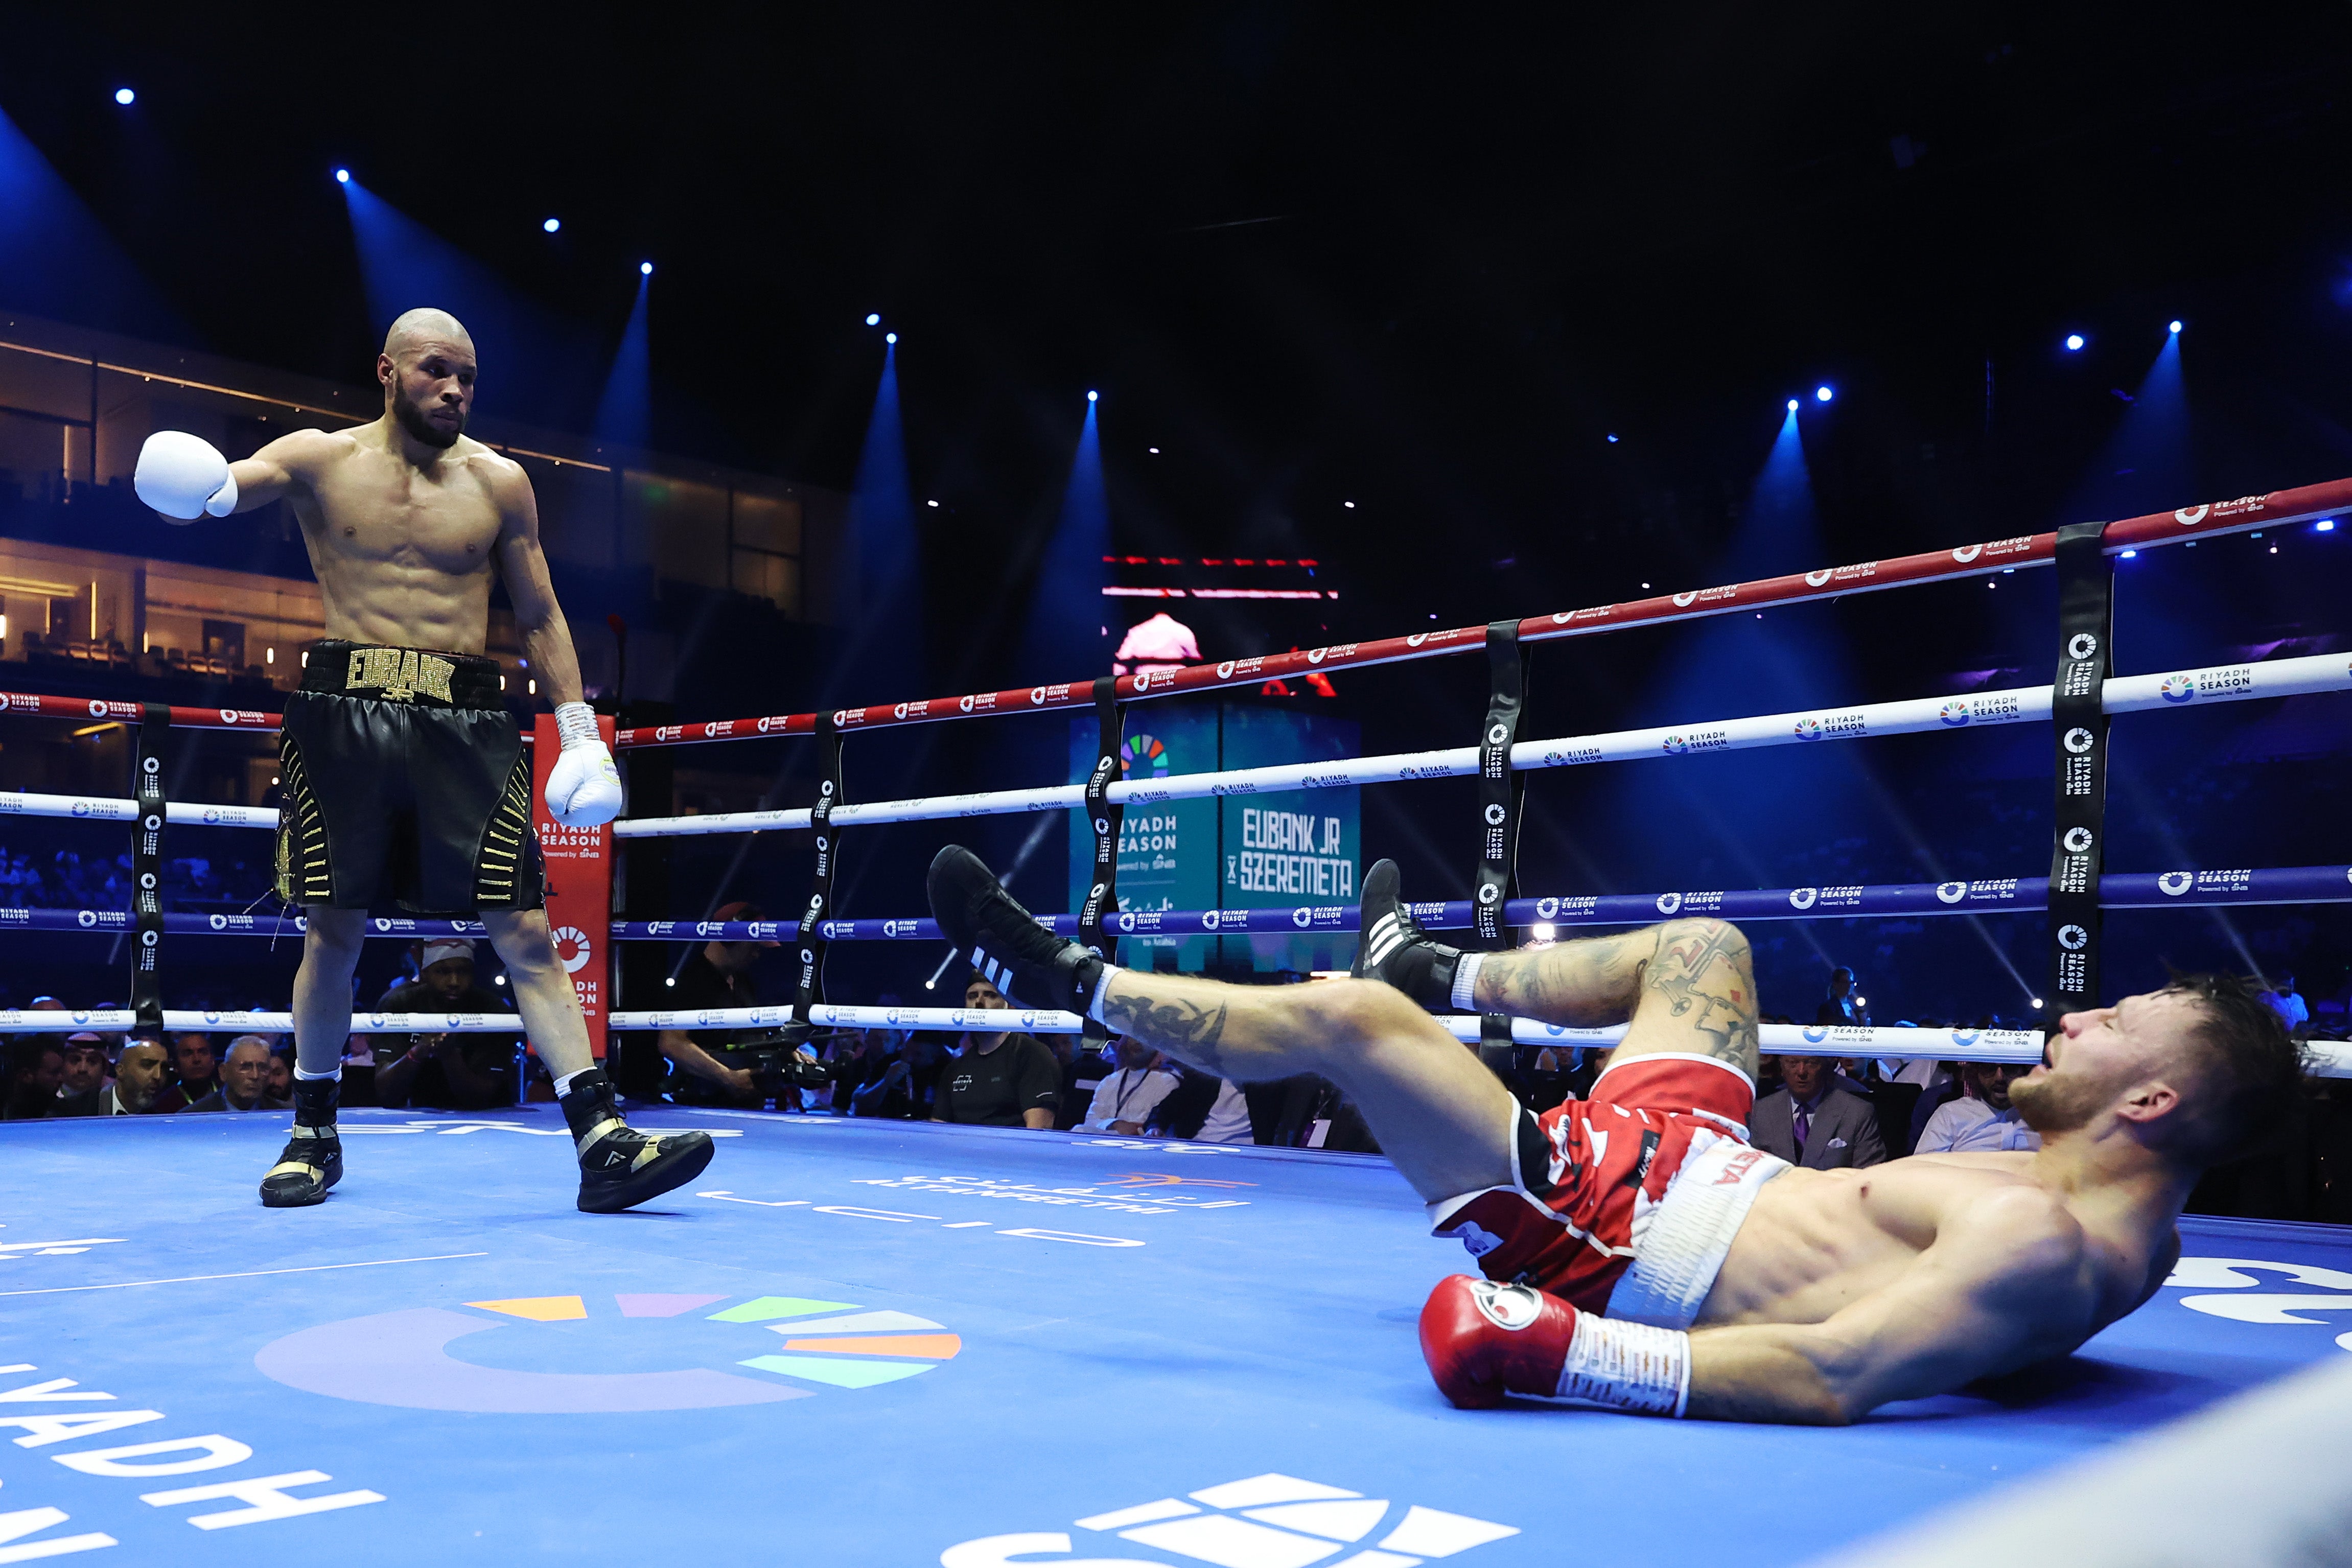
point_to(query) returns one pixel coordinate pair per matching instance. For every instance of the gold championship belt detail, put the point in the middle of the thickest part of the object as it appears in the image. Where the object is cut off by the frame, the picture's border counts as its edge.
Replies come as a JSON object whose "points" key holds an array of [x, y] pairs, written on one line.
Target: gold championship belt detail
{"points": [[399, 673]]}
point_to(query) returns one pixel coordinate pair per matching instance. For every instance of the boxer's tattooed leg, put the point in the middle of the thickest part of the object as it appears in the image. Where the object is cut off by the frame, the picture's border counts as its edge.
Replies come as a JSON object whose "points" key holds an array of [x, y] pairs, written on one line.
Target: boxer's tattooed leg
{"points": [[1190, 1031], [1582, 983]]}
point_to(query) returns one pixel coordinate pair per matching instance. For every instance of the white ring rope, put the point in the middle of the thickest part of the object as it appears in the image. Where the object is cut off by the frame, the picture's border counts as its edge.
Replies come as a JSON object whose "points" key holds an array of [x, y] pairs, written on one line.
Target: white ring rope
{"points": [[2018, 704], [2328, 1059], [120, 1020]]}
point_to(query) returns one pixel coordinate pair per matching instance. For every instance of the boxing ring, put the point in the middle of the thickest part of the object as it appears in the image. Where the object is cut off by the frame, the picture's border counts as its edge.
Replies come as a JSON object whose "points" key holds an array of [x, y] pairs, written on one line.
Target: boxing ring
{"points": [[862, 1341]]}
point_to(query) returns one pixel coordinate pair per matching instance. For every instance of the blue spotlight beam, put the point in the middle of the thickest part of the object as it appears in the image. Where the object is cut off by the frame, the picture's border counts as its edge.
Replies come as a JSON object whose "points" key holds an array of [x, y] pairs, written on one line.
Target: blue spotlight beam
{"points": [[535, 364], [625, 411], [1067, 600]]}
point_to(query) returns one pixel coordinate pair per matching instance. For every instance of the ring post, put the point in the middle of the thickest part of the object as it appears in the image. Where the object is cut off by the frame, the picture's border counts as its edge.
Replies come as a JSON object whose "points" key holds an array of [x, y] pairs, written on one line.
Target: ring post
{"points": [[147, 868], [1501, 787], [1104, 816], [808, 941], [2079, 728], [579, 862]]}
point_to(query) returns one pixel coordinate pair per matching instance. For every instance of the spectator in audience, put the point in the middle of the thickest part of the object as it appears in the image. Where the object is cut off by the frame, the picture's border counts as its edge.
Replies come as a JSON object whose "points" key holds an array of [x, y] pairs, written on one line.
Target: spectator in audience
{"points": [[1004, 1079], [1203, 1109], [1124, 1101], [900, 1088], [2292, 1010], [85, 1080], [194, 1070], [138, 1079], [1811, 1122], [37, 1067], [1841, 1006], [282, 1073], [244, 1080], [443, 1072], [717, 976], [1982, 1118]]}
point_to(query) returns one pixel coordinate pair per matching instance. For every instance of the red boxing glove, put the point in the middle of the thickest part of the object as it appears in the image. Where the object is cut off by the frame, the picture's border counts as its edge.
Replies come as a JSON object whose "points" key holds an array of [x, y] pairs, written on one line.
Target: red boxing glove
{"points": [[1483, 1340]]}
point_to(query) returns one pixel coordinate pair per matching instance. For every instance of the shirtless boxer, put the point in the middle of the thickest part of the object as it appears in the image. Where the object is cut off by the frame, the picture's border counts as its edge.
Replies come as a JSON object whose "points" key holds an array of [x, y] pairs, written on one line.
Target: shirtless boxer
{"points": [[1638, 1253], [406, 783]]}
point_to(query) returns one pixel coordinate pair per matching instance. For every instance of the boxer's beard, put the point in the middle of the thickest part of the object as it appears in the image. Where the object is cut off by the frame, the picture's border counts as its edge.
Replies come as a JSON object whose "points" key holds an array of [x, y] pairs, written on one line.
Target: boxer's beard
{"points": [[2052, 1105], [412, 420]]}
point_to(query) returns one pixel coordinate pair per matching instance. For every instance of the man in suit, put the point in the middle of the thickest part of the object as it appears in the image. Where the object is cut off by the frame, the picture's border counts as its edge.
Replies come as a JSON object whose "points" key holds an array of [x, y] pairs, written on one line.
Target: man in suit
{"points": [[1811, 1122]]}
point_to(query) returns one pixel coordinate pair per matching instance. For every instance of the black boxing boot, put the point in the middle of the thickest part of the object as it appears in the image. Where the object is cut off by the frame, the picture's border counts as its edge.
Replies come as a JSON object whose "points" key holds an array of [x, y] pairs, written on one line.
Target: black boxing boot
{"points": [[620, 1166], [1004, 941], [1391, 947], [312, 1160]]}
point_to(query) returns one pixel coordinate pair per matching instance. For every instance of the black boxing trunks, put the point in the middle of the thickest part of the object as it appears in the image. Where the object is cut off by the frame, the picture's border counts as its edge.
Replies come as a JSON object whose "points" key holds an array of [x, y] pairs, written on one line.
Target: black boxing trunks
{"points": [[405, 784]]}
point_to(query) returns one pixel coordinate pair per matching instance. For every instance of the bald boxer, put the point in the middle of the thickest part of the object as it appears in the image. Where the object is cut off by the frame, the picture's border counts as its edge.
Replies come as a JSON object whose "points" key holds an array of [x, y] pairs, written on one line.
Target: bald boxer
{"points": [[1638, 1253], [406, 782]]}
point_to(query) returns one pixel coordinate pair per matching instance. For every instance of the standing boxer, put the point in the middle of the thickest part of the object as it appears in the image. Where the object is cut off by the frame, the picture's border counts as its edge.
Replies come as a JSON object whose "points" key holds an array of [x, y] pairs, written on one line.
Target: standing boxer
{"points": [[405, 779]]}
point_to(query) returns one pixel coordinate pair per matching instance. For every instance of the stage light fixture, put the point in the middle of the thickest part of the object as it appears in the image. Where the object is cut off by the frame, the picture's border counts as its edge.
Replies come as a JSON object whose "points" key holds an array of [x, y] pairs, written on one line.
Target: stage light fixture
{"points": [[1092, 396], [1793, 405], [2131, 555], [874, 318], [1823, 394], [342, 177], [889, 336], [2073, 342], [552, 224], [125, 97], [1153, 450], [931, 503], [646, 268], [2175, 329], [1612, 438], [2325, 526], [1349, 504]]}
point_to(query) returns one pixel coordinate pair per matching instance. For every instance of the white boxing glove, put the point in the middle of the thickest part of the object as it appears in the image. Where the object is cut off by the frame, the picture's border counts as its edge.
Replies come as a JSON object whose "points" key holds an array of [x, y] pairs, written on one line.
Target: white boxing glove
{"points": [[184, 476], [583, 788]]}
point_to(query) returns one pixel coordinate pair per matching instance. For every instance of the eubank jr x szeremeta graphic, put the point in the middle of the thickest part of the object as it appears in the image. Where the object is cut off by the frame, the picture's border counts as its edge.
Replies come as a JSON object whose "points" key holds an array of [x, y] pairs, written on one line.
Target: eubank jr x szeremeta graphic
{"points": [[689, 1357]]}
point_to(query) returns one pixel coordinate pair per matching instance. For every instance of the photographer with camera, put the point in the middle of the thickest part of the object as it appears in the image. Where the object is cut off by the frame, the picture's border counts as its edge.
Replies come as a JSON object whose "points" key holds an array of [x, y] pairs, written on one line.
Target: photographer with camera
{"points": [[717, 976], [443, 1072]]}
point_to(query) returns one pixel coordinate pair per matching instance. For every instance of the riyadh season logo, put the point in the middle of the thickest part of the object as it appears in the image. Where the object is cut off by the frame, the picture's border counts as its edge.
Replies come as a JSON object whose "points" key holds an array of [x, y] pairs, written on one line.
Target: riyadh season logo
{"points": [[2178, 688], [1815, 579], [1954, 712], [1302, 918], [1685, 600], [2079, 740], [1415, 639], [1951, 892], [1808, 728], [1224, 669], [2189, 516], [1495, 814], [2074, 938], [1675, 745], [1264, 1521], [1968, 553], [2077, 841], [576, 941], [1669, 902], [2173, 883], [1488, 893], [1802, 897], [2081, 647], [1547, 907], [1815, 1036]]}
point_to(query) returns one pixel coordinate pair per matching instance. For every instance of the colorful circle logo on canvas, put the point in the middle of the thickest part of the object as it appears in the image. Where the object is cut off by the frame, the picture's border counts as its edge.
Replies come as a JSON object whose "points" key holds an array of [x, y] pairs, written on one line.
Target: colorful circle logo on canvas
{"points": [[631, 1352], [1142, 751]]}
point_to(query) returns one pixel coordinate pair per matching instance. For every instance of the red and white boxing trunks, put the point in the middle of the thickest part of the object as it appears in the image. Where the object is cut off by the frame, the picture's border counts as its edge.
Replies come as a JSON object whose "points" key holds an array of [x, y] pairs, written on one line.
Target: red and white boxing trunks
{"points": [[1624, 1202]]}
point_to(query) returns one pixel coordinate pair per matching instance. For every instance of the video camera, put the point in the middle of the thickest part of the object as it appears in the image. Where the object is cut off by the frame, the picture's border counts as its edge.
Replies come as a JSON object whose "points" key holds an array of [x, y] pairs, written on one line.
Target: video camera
{"points": [[774, 1060]]}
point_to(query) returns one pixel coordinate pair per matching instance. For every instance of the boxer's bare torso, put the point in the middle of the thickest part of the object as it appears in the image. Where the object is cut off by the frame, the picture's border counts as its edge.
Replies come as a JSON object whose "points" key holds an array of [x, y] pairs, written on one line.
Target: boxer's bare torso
{"points": [[2067, 1264], [403, 552]]}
